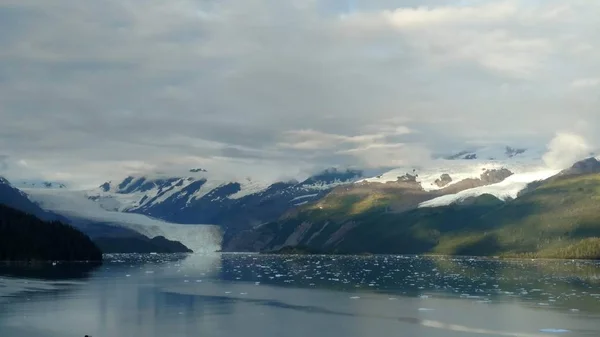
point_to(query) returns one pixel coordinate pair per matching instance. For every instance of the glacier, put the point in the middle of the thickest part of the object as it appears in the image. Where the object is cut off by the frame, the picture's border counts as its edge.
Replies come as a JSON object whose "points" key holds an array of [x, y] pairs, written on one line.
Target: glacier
{"points": [[201, 238]]}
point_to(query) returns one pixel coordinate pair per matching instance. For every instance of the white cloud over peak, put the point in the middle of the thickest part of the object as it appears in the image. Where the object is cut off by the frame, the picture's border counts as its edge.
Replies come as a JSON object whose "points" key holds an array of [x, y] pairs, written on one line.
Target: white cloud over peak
{"points": [[92, 90], [565, 149]]}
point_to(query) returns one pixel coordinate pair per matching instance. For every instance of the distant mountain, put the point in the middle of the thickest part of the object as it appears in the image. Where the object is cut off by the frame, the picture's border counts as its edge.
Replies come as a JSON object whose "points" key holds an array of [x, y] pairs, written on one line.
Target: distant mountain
{"points": [[586, 166], [347, 203], [557, 217], [201, 197], [24, 237], [242, 207], [39, 184], [493, 153], [198, 196], [13, 197]]}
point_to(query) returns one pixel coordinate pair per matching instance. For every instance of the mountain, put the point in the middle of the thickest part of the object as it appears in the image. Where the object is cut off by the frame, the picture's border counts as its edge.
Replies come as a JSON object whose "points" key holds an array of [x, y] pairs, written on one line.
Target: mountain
{"points": [[493, 153], [336, 213], [88, 216], [39, 184], [24, 237], [586, 166], [13, 197], [198, 196], [72, 208], [557, 217], [201, 197], [153, 203]]}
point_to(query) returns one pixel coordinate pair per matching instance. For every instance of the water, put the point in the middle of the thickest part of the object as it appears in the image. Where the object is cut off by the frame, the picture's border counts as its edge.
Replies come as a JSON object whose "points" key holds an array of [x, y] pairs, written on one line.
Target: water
{"points": [[260, 296]]}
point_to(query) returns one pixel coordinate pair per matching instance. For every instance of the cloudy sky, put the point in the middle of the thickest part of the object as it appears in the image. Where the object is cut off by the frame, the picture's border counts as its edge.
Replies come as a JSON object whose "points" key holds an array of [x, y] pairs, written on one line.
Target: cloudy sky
{"points": [[97, 89]]}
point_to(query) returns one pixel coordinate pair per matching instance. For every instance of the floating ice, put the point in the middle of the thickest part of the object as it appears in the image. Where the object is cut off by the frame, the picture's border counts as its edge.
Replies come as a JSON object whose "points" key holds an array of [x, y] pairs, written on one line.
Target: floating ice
{"points": [[554, 331]]}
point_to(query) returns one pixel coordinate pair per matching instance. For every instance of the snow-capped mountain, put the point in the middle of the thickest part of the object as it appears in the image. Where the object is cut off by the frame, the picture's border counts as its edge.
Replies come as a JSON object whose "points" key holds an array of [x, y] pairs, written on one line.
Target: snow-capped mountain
{"points": [[17, 199], [154, 193], [39, 184], [527, 166], [198, 196]]}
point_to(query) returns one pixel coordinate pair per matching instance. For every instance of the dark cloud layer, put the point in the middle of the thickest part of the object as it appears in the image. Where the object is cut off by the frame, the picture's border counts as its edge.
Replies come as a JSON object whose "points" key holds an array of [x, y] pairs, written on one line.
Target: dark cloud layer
{"points": [[95, 89]]}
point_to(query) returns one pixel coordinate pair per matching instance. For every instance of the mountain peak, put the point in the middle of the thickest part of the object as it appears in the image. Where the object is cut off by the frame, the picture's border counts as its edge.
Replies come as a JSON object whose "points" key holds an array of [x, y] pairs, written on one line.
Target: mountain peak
{"points": [[586, 166], [511, 152], [39, 184], [488, 153], [333, 175]]}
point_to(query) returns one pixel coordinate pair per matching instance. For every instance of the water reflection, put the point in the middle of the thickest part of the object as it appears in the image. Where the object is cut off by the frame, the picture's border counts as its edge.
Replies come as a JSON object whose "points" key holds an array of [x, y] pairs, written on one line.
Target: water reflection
{"points": [[550, 283], [257, 295], [48, 271]]}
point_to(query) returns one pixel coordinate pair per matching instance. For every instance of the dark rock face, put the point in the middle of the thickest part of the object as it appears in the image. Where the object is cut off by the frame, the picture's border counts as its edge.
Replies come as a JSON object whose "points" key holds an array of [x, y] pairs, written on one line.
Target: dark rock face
{"points": [[125, 182], [586, 166], [105, 187], [331, 176], [408, 178], [495, 176], [53, 185], [511, 152], [461, 155], [443, 181], [41, 184]]}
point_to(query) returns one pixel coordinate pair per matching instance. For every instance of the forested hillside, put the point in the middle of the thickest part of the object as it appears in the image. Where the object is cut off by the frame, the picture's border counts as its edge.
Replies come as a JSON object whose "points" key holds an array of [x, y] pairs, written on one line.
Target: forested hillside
{"points": [[555, 218], [23, 237]]}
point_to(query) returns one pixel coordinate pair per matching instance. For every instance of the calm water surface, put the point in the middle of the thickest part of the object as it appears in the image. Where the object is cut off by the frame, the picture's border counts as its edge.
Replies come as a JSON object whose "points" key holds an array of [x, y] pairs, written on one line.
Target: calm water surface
{"points": [[262, 296]]}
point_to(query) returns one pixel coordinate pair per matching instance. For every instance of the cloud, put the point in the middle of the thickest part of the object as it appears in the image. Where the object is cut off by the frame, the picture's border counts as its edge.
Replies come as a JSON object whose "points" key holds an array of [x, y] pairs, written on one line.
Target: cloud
{"points": [[586, 82], [92, 90], [565, 149], [3, 163]]}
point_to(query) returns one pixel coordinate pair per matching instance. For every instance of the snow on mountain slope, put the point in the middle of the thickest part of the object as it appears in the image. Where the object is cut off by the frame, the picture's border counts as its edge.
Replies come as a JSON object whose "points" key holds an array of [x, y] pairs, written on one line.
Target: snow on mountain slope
{"points": [[507, 189], [154, 188], [443, 171], [199, 238], [145, 194], [468, 164]]}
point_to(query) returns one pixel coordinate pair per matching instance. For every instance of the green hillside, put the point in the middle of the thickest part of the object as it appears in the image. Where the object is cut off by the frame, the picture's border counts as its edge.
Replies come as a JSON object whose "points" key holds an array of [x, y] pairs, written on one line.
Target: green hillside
{"points": [[558, 218]]}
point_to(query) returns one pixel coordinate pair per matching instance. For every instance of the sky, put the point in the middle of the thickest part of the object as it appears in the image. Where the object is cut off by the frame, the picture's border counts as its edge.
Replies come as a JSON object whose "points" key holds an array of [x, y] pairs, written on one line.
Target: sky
{"points": [[93, 90]]}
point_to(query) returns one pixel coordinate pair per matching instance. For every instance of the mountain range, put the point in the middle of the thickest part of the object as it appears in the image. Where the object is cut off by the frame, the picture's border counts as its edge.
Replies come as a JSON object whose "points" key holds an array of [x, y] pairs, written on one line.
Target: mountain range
{"points": [[323, 211], [553, 218]]}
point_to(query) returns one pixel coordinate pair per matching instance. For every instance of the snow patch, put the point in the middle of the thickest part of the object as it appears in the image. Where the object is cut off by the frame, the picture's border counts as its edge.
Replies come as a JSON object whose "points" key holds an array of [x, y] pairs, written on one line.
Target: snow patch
{"points": [[509, 188], [248, 187], [304, 197]]}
